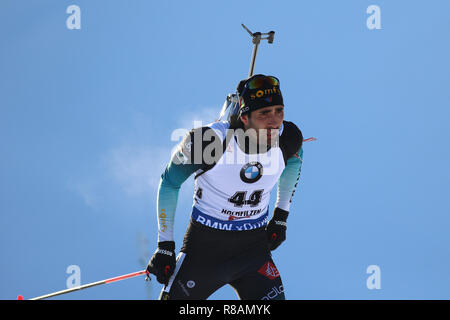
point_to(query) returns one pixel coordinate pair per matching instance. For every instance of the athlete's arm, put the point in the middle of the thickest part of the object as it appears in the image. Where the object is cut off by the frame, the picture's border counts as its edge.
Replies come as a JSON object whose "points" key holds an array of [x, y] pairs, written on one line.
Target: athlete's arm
{"points": [[287, 183], [169, 186], [187, 159], [178, 170], [162, 263], [291, 142]]}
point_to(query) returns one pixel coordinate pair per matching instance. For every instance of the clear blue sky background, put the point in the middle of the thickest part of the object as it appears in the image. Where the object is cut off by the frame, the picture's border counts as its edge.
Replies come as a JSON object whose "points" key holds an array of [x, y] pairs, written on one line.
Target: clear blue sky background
{"points": [[86, 118]]}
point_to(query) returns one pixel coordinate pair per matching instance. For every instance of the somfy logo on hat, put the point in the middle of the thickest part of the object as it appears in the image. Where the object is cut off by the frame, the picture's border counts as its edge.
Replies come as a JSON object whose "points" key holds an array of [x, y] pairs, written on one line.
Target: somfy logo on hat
{"points": [[251, 172], [265, 92]]}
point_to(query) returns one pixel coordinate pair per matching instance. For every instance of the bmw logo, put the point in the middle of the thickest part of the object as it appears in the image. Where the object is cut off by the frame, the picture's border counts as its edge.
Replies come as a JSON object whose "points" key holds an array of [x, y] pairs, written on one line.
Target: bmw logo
{"points": [[251, 172]]}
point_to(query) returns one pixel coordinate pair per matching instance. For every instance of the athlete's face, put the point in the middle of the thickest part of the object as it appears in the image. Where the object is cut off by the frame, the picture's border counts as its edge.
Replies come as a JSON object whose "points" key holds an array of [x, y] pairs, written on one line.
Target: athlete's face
{"points": [[268, 118]]}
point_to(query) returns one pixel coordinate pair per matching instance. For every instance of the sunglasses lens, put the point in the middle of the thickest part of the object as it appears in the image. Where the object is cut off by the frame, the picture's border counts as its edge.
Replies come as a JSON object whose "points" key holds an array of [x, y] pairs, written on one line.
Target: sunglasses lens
{"points": [[256, 83], [273, 81], [260, 81]]}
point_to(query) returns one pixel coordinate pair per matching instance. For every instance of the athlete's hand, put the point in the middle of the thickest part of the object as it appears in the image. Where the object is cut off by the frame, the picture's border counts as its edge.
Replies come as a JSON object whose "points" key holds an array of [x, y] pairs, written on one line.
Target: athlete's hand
{"points": [[276, 228], [162, 264]]}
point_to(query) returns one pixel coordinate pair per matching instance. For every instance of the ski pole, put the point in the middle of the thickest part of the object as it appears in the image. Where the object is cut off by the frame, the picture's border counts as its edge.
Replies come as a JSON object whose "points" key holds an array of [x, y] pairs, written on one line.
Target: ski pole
{"points": [[89, 285], [232, 100], [256, 39]]}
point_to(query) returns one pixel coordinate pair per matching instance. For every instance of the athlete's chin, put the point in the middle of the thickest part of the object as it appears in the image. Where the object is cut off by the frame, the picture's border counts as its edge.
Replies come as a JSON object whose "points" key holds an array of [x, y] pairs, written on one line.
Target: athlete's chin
{"points": [[268, 141], [272, 135]]}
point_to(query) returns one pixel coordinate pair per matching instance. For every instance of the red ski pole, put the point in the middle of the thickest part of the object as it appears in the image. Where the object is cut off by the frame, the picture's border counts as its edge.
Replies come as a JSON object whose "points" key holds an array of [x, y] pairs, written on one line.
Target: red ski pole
{"points": [[89, 285]]}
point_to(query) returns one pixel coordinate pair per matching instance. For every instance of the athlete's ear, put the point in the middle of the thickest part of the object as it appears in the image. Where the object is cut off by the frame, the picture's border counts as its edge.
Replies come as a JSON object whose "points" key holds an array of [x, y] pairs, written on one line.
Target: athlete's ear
{"points": [[244, 119]]}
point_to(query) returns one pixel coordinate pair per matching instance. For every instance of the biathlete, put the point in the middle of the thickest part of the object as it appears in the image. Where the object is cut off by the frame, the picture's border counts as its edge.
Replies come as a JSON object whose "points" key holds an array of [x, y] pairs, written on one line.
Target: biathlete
{"points": [[236, 165]]}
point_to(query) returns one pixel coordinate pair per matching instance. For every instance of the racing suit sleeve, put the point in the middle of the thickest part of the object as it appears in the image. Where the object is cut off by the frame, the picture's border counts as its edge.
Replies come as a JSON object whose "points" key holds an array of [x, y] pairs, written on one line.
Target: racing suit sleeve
{"points": [[287, 183], [186, 160], [166, 203]]}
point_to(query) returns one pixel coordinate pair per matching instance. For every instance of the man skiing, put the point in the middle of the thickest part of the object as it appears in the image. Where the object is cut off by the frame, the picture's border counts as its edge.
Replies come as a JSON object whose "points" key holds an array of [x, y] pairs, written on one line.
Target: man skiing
{"points": [[236, 165]]}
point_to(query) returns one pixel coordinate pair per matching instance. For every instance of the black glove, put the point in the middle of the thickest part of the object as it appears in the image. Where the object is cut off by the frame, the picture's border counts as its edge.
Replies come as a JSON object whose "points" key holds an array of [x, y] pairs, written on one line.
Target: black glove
{"points": [[276, 228], [162, 264]]}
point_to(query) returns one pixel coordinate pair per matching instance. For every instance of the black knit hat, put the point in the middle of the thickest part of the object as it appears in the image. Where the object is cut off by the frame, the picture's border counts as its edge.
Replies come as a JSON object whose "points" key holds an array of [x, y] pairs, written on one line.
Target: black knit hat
{"points": [[266, 94]]}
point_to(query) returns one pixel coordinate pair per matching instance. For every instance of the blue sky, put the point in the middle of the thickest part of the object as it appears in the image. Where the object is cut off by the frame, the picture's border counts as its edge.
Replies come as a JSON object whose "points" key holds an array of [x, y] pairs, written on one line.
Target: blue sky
{"points": [[86, 118]]}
